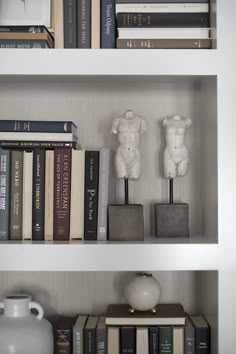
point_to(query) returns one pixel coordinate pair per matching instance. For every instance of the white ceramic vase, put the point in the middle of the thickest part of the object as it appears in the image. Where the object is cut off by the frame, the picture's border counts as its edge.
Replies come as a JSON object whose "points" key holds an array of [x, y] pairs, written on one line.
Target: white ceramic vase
{"points": [[21, 332], [143, 292]]}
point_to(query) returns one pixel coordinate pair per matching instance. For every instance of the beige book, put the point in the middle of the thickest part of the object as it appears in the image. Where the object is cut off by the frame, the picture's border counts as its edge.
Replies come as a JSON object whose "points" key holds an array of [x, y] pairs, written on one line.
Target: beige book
{"points": [[49, 194], [27, 195], [95, 24], [178, 340], [58, 24], [142, 340], [113, 340], [77, 195]]}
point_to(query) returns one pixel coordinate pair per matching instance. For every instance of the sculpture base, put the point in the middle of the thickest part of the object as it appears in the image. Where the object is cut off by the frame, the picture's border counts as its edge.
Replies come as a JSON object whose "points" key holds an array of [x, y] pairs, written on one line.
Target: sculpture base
{"points": [[126, 222], [172, 220]]}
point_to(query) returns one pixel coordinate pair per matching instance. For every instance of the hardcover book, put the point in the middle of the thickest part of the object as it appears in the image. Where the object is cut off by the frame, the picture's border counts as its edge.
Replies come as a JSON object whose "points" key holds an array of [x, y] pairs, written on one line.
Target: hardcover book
{"points": [[4, 193], [159, 1], [165, 340], [189, 337], [78, 334], [178, 340], [162, 7], [164, 43], [90, 335], [35, 136], [202, 334], [142, 340], [38, 194], [166, 314], [16, 195], [62, 194], [83, 23], [108, 24], [127, 340], [95, 24], [91, 194], [37, 126], [69, 12], [113, 340], [49, 195], [153, 340], [101, 336], [27, 145], [27, 195], [63, 333]]}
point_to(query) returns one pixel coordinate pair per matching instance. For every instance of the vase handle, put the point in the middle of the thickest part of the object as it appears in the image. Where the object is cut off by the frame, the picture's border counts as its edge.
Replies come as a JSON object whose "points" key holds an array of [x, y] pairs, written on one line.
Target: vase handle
{"points": [[2, 305], [38, 307]]}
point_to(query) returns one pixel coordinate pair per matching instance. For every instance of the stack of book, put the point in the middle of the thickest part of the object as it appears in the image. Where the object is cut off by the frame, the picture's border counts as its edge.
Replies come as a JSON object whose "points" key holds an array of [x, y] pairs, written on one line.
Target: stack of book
{"points": [[25, 37], [163, 24], [169, 331]]}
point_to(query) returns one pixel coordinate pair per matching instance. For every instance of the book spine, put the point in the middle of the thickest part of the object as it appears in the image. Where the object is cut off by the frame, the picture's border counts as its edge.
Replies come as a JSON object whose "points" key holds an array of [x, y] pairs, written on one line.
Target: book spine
{"points": [[62, 194], [202, 340], [95, 24], [189, 340], [127, 340], [108, 24], [49, 195], [36, 144], [83, 23], [35, 126], [162, 19], [24, 29], [89, 341], [153, 340], [70, 39], [162, 8], [4, 193], [91, 194], [26, 44], [27, 195], [103, 190], [63, 341], [16, 195], [78, 341], [178, 340], [164, 43], [160, 1], [165, 340], [38, 194], [101, 341]]}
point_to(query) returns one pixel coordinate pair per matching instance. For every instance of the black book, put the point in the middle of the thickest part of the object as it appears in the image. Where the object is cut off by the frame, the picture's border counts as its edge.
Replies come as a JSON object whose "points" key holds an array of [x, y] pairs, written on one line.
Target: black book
{"points": [[153, 340], [37, 126], [195, 19], [127, 340], [202, 335], [90, 335], [38, 194], [91, 194], [29, 145]]}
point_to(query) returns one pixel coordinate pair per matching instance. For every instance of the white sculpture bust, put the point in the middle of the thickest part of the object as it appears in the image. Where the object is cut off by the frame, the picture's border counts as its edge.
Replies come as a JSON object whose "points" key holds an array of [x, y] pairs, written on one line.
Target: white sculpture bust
{"points": [[127, 160], [175, 154]]}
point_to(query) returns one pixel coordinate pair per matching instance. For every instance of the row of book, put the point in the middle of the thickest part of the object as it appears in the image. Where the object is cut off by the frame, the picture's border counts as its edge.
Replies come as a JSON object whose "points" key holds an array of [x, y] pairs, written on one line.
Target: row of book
{"points": [[25, 37], [170, 331], [163, 24], [50, 189]]}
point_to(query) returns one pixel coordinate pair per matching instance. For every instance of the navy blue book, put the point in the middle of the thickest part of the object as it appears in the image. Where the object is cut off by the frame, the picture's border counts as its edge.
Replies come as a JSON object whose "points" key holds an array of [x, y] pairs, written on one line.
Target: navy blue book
{"points": [[108, 24], [4, 193], [37, 126], [127, 340]]}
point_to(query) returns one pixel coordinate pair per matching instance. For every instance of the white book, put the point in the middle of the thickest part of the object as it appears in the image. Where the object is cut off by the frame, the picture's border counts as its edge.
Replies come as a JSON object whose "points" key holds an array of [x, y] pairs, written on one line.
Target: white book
{"points": [[95, 24], [27, 195], [29, 136], [178, 340], [49, 195], [162, 7], [142, 340], [113, 340], [77, 195], [163, 33]]}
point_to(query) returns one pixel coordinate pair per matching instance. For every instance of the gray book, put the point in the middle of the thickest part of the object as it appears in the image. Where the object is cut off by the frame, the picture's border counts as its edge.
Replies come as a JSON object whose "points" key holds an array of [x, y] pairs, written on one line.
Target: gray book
{"points": [[90, 335], [78, 334], [4, 193], [83, 23], [16, 195], [189, 337], [101, 336]]}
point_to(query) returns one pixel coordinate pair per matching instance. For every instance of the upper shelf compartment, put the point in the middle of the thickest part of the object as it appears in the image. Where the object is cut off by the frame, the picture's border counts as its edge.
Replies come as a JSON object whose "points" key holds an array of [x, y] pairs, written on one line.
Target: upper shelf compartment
{"points": [[110, 62]]}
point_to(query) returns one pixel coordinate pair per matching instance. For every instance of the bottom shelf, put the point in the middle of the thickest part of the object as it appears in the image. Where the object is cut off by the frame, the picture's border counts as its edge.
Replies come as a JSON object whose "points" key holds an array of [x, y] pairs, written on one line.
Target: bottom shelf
{"points": [[91, 292]]}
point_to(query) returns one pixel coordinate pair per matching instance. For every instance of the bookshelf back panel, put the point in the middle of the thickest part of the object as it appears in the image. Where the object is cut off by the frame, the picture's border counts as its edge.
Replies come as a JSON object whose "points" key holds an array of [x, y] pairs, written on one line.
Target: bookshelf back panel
{"points": [[93, 103]]}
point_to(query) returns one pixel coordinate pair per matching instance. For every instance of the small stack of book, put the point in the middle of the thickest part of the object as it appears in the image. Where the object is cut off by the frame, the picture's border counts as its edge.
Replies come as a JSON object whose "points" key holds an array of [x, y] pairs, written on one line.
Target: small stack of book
{"points": [[159, 24], [25, 37]]}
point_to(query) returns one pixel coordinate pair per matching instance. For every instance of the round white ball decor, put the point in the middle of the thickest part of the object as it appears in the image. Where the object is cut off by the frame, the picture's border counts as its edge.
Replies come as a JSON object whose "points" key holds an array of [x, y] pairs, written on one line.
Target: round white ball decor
{"points": [[143, 292]]}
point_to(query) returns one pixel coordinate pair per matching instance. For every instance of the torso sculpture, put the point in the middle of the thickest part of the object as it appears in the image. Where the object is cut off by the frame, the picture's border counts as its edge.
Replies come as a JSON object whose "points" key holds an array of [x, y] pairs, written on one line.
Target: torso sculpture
{"points": [[127, 160], [176, 154]]}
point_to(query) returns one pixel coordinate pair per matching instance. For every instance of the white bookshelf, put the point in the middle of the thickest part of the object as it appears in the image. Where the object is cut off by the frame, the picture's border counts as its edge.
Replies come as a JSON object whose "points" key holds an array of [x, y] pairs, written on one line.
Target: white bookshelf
{"points": [[94, 86]]}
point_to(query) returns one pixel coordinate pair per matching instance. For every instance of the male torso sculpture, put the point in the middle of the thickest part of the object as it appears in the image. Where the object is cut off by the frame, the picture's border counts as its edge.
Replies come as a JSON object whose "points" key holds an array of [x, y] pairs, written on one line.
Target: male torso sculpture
{"points": [[127, 160], [176, 154]]}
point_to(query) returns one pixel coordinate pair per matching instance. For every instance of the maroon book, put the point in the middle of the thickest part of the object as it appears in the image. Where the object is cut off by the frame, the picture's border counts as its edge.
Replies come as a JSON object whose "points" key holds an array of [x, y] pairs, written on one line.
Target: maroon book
{"points": [[63, 333], [62, 194]]}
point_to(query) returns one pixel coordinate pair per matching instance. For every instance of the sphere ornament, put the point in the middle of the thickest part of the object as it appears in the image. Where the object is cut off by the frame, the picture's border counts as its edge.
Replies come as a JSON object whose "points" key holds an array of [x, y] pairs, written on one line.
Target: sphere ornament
{"points": [[143, 292]]}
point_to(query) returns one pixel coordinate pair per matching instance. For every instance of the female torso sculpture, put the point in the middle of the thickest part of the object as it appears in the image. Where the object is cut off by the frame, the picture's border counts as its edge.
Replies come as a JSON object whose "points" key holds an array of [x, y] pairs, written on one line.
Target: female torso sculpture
{"points": [[127, 160]]}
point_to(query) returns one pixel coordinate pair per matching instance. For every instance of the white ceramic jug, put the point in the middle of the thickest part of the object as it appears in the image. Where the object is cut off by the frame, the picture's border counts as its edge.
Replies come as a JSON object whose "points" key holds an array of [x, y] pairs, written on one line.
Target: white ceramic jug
{"points": [[22, 332]]}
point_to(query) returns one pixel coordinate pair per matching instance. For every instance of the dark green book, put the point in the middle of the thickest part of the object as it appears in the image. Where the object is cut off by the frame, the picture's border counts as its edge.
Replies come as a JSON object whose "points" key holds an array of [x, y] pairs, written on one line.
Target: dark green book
{"points": [[4, 193], [165, 340], [70, 37]]}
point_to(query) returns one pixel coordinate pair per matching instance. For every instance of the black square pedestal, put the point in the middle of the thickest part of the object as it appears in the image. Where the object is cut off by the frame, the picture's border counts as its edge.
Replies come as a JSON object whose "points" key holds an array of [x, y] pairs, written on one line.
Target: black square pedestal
{"points": [[172, 220], [126, 222]]}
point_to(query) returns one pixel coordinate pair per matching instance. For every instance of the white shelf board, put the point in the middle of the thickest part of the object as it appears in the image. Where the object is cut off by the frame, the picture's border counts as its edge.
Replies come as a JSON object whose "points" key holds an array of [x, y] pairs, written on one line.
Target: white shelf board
{"points": [[95, 256], [89, 62]]}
